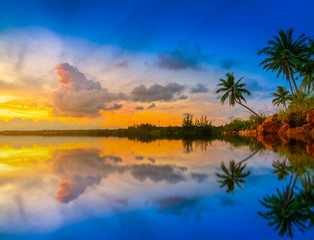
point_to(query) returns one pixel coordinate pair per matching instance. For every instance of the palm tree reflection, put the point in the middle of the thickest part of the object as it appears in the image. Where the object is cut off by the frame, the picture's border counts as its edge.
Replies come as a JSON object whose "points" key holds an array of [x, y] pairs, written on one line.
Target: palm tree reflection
{"points": [[234, 175], [287, 209]]}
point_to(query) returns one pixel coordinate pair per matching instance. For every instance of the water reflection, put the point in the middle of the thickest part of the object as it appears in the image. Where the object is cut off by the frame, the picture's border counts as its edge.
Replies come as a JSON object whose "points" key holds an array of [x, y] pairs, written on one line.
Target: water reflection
{"points": [[234, 174], [63, 185]]}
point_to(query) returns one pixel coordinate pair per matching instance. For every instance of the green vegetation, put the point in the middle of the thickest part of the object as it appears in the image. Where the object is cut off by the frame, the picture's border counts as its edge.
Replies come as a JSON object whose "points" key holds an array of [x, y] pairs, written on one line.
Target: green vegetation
{"points": [[281, 96], [295, 113], [284, 55], [293, 58], [191, 128]]}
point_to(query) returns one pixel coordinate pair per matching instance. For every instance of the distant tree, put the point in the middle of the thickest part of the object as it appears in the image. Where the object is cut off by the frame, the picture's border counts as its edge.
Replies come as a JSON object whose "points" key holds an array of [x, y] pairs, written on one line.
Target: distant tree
{"points": [[234, 91], [187, 121]]}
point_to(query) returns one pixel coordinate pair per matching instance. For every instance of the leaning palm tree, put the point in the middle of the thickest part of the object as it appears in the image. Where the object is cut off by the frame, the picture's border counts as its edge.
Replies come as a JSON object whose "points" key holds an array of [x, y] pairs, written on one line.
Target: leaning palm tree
{"points": [[234, 90], [283, 54], [281, 96]]}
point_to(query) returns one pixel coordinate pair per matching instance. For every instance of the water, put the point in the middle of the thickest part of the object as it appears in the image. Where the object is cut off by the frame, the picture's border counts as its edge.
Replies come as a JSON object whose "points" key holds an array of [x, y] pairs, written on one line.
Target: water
{"points": [[109, 188]]}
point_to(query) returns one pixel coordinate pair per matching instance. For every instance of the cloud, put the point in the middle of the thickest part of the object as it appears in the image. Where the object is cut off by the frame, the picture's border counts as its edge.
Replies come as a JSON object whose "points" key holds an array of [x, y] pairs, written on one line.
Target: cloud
{"points": [[81, 168], [156, 92], [151, 106], [181, 59], [228, 63], [182, 97], [199, 177], [170, 173], [115, 106], [122, 64], [182, 206], [139, 108], [199, 88], [79, 97]]}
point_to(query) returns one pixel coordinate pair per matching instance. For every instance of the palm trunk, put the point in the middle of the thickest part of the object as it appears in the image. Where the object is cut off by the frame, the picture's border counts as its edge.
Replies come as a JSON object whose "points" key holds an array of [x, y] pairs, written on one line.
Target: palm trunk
{"points": [[290, 73], [247, 158], [288, 79], [248, 109], [295, 180], [288, 187]]}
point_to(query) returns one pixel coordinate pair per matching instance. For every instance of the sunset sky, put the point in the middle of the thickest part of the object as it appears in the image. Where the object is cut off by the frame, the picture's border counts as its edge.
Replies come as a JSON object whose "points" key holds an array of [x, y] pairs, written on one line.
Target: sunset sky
{"points": [[90, 64]]}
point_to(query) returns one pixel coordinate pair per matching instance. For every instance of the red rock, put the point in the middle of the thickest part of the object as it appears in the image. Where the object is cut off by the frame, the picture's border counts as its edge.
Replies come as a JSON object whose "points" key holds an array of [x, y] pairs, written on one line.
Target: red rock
{"points": [[270, 125], [270, 141], [282, 133], [310, 149], [310, 117], [251, 133], [302, 133]]}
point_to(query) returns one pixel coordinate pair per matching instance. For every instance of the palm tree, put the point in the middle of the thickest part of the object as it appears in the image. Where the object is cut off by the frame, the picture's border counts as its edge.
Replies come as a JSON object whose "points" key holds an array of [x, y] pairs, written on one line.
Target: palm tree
{"points": [[234, 91], [283, 216], [233, 175], [306, 69], [281, 168], [307, 72], [282, 96], [283, 54]]}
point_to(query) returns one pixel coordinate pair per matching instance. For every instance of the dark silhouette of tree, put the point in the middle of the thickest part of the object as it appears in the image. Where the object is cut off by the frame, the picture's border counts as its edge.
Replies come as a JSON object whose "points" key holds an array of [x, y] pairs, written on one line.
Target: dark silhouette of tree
{"points": [[281, 96], [281, 168], [283, 54], [234, 175], [234, 91]]}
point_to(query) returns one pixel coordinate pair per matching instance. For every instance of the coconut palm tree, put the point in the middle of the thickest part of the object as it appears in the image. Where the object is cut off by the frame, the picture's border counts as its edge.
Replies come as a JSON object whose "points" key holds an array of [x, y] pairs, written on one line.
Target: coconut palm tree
{"points": [[282, 96], [283, 53], [233, 90], [306, 69]]}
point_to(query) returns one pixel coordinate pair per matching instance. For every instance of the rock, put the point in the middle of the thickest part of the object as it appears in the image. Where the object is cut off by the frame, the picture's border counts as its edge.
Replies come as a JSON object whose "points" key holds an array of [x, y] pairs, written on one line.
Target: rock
{"points": [[270, 141], [310, 149], [234, 133], [251, 133], [282, 133], [270, 125], [310, 117], [302, 133]]}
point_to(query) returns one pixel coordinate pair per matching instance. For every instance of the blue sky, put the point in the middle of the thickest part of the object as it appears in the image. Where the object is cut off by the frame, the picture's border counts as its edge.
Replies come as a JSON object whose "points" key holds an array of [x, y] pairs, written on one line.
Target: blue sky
{"points": [[173, 39]]}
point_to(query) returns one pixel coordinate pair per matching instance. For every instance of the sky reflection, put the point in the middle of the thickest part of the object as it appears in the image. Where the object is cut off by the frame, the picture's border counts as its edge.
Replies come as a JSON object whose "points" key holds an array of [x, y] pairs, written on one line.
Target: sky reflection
{"points": [[50, 187]]}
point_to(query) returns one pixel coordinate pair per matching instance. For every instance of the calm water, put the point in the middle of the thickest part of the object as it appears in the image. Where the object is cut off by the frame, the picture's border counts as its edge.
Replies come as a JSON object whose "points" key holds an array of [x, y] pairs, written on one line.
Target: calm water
{"points": [[108, 188]]}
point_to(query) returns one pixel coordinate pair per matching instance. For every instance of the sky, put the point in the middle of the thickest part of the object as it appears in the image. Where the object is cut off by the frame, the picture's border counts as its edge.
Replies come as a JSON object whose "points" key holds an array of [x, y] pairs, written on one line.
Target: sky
{"points": [[108, 64]]}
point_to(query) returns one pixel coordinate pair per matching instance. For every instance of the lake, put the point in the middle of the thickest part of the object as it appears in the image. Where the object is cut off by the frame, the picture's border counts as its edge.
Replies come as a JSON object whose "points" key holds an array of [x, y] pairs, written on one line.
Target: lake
{"points": [[111, 188]]}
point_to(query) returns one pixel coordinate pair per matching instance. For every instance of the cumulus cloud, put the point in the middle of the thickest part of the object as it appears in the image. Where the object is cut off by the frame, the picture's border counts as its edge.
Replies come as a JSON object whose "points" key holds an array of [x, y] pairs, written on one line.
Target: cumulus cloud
{"points": [[155, 173], [79, 97], [151, 106], [181, 59], [199, 88], [81, 168], [156, 92], [199, 177], [139, 108]]}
